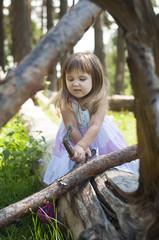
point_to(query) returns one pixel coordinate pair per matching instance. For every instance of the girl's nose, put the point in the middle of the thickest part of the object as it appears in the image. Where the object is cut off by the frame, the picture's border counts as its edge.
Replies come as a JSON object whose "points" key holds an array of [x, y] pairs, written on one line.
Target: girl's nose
{"points": [[75, 82]]}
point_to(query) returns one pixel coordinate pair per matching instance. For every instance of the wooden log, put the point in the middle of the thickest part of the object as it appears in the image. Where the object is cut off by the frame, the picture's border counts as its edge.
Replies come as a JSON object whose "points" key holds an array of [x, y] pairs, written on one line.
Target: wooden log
{"points": [[80, 209], [66, 183], [96, 208], [120, 102], [96, 201]]}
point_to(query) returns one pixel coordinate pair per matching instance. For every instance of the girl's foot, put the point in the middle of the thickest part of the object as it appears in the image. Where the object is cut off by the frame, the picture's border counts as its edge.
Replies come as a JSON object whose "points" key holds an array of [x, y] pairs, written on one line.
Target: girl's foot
{"points": [[46, 213]]}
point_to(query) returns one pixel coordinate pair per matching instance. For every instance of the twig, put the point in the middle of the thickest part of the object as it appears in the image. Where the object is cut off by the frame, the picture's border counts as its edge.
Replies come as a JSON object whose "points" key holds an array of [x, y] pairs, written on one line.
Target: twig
{"points": [[69, 149]]}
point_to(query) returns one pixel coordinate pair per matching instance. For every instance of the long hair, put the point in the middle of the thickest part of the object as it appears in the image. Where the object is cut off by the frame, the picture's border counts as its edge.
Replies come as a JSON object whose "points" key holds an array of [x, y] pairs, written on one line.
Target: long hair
{"points": [[90, 64]]}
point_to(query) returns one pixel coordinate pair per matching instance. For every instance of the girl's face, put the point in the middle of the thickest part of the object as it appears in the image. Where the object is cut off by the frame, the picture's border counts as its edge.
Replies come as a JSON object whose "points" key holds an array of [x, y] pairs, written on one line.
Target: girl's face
{"points": [[78, 83]]}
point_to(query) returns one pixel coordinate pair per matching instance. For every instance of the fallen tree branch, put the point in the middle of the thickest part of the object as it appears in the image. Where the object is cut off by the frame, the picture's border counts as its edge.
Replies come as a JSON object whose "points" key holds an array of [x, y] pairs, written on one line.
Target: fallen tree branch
{"points": [[66, 183], [120, 103]]}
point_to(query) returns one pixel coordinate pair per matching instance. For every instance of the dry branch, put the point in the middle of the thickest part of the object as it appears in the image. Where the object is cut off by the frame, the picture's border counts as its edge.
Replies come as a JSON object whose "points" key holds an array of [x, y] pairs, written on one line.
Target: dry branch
{"points": [[66, 183], [25, 80]]}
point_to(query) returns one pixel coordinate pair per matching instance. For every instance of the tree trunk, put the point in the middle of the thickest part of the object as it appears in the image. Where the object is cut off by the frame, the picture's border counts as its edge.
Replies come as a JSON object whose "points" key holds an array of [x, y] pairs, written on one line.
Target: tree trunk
{"points": [[140, 23], [50, 14], [2, 54], [66, 183], [52, 74], [63, 10], [99, 44], [95, 209], [120, 63], [20, 20], [24, 81]]}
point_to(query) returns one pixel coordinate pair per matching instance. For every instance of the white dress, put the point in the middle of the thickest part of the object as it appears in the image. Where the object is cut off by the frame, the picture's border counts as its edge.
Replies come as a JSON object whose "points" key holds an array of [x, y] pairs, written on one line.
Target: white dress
{"points": [[108, 140]]}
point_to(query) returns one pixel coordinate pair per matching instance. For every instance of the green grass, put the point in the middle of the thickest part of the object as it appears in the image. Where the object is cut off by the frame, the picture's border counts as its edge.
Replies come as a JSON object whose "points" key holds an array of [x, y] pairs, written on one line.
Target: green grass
{"points": [[126, 123]]}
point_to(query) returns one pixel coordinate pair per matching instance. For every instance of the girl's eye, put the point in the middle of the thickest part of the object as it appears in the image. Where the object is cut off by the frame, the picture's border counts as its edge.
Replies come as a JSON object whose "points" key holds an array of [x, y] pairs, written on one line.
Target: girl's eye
{"points": [[82, 79]]}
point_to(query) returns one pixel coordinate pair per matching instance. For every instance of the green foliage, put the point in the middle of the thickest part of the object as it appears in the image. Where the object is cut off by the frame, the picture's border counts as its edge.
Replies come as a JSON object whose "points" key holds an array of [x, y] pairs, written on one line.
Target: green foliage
{"points": [[36, 34], [19, 155], [126, 123]]}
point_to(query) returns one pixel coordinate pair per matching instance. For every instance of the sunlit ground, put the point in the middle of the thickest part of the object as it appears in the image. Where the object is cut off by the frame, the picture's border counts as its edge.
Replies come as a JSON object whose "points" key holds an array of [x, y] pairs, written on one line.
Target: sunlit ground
{"points": [[126, 123]]}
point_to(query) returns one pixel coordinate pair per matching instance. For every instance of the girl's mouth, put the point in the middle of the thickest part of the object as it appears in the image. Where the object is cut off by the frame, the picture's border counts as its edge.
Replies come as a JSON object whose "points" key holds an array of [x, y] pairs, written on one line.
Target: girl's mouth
{"points": [[77, 90]]}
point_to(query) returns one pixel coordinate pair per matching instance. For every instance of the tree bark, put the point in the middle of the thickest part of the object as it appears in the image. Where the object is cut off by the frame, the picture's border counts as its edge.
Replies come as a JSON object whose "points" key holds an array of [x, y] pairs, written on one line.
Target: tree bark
{"points": [[20, 18], [25, 80], [95, 209], [52, 74], [50, 14], [66, 183], [141, 32], [63, 8], [2, 54], [120, 63], [99, 49]]}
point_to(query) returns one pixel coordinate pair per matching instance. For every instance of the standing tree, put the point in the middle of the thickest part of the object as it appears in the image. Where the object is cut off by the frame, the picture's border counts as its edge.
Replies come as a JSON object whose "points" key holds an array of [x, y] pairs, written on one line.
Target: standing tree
{"points": [[63, 10], [2, 55], [99, 45], [120, 63], [50, 14], [52, 78], [20, 19]]}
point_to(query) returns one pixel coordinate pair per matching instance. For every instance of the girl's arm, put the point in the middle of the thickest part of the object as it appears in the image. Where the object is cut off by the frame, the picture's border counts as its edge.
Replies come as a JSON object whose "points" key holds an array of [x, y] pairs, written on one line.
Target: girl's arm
{"points": [[95, 125], [69, 119], [76, 136]]}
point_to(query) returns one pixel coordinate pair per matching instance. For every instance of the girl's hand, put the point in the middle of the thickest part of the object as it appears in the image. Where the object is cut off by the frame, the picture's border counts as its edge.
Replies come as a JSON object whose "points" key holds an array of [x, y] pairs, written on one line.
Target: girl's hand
{"points": [[79, 154]]}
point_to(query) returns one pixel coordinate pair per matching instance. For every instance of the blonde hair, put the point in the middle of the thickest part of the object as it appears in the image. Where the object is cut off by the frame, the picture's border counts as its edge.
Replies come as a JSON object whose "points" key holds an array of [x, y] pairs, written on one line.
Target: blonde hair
{"points": [[90, 64]]}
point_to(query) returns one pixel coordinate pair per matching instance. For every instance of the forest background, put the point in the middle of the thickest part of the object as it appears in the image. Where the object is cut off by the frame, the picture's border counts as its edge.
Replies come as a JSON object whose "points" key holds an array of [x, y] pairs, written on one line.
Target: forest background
{"points": [[23, 23]]}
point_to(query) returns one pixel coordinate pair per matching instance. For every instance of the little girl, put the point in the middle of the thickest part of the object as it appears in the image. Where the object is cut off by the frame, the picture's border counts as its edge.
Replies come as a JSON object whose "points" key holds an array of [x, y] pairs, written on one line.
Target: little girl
{"points": [[83, 101]]}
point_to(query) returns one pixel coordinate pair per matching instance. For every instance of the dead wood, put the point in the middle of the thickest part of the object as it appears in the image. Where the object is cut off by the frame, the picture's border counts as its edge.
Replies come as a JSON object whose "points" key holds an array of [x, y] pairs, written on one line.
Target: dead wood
{"points": [[66, 183], [121, 103], [96, 209], [26, 79]]}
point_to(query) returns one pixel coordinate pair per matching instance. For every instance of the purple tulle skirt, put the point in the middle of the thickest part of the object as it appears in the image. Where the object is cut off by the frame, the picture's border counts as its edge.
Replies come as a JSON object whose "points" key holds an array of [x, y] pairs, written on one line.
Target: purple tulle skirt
{"points": [[108, 140]]}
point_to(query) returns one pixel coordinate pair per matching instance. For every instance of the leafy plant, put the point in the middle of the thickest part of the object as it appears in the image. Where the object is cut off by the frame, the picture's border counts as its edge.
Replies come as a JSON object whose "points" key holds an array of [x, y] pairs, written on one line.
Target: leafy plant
{"points": [[19, 157], [19, 154]]}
